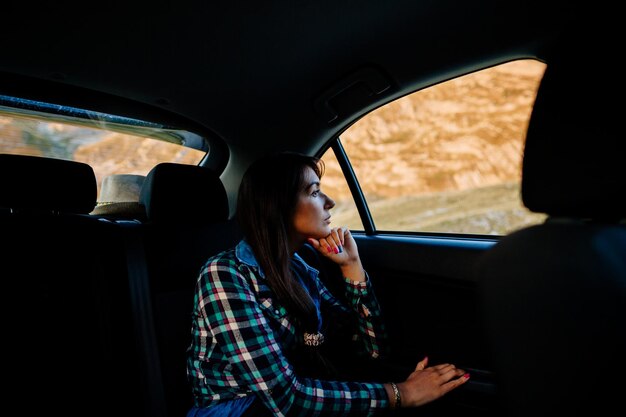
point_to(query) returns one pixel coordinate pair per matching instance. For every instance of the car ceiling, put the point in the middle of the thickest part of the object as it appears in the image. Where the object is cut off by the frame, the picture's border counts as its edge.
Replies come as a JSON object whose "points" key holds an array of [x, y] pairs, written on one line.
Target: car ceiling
{"points": [[250, 72]]}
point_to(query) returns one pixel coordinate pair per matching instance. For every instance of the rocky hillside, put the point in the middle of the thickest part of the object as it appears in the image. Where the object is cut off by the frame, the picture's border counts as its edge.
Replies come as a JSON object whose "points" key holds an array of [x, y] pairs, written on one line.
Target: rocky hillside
{"points": [[444, 159], [460, 134]]}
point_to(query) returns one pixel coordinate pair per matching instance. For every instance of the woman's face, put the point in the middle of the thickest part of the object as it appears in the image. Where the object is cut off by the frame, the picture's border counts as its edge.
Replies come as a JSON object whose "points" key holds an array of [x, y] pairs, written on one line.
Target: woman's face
{"points": [[312, 214]]}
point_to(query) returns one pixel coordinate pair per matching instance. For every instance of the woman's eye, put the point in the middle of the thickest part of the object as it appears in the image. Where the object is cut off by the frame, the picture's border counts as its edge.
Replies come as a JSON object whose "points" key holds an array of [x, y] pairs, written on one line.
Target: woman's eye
{"points": [[315, 193]]}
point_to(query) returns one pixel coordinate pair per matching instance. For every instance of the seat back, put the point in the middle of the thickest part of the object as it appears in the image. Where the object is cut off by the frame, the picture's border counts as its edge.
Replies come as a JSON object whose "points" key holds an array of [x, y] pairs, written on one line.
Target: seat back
{"points": [[554, 295], [187, 222], [65, 308]]}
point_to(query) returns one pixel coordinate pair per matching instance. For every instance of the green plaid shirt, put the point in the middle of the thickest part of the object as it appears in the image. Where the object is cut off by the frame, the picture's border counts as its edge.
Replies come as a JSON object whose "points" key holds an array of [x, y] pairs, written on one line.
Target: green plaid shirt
{"points": [[240, 338]]}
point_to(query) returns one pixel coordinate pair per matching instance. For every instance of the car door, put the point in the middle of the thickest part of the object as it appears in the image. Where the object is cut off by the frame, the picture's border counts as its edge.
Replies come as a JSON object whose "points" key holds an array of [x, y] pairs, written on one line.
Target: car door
{"points": [[426, 184]]}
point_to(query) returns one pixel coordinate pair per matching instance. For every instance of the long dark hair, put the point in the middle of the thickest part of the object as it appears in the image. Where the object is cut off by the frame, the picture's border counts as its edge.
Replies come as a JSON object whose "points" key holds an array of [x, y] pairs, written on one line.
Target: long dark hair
{"points": [[265, 208]]}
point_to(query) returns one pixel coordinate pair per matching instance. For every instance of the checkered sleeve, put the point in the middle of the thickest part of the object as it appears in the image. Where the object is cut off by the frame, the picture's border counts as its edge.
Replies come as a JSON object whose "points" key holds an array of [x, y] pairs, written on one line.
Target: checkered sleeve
{"points": [[372, 334], [235, 319]]}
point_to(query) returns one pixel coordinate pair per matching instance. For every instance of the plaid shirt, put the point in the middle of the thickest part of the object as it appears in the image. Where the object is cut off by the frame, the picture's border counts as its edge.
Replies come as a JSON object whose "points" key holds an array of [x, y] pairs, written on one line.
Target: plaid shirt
{"points": [[240, 337]]}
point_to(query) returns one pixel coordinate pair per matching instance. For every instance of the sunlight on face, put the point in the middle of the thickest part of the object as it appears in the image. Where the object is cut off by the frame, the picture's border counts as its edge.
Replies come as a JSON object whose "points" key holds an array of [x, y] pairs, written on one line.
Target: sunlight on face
{"points": [[312, 213]]}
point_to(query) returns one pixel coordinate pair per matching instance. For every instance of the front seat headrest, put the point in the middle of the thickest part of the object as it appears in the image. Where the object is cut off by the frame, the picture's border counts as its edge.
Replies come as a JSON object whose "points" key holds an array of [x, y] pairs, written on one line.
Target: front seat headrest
{"points": [[575, 148], [46, 184], [184, 193]]}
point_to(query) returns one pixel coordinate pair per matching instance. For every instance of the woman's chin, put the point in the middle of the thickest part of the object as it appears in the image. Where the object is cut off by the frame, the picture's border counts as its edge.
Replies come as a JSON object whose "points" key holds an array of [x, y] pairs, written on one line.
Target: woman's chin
{"points": [[321, 233]]}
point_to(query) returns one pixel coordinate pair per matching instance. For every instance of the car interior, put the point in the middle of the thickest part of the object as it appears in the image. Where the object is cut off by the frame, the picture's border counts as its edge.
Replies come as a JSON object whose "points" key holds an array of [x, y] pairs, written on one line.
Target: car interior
{"points": [[474, 149]]}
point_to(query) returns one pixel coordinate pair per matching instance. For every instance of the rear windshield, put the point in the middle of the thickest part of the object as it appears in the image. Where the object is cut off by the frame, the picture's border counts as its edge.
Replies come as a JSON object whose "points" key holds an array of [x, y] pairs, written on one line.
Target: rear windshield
{"points": [[112, 145]]}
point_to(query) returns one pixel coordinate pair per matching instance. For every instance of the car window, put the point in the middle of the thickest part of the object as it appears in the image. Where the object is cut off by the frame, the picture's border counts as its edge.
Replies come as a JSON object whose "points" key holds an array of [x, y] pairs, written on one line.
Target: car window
{"points": [[111, 145], [446, 158], [334, 185]]}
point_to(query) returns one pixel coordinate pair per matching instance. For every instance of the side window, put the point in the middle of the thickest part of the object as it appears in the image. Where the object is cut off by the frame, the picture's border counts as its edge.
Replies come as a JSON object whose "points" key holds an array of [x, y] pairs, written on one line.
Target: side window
{"points": [[447, 158], [335, 186]]}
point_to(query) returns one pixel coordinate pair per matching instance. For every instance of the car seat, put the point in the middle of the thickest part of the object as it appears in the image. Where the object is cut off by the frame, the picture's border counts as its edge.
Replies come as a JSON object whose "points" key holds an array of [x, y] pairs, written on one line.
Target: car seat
{"points": [[554, 294]]}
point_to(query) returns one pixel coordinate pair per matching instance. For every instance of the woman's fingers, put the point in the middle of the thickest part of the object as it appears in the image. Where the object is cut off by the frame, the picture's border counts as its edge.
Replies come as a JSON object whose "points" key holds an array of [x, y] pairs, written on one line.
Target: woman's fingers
{"points": [[450, 385], [336, 237], [341, 233], [315, 243], [328, 245], [335, 243], [421, 365], [323, 245], [446, 371], [426, 383], [451, 373], [441, 365]]}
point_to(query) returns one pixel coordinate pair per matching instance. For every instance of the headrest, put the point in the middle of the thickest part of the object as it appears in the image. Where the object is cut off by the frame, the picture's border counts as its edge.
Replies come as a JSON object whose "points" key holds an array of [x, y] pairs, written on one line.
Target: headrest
{"points": [[184, 193], [575, 148], [46, 184]]}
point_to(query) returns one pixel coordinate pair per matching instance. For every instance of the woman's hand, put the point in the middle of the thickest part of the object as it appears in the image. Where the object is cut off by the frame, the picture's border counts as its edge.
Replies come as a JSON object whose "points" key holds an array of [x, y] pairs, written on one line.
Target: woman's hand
{"points": [[339, 246], [426, 384]]}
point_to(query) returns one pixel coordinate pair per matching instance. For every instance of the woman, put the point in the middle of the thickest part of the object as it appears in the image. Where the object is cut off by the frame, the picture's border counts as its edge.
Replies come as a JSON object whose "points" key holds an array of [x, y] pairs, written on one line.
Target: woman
{"points": [[263, 319]]}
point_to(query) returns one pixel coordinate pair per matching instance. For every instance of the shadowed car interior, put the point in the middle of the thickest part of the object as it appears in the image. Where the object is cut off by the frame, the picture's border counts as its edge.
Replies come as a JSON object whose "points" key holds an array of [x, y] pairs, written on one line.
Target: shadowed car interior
{"points": [[474, 149]]}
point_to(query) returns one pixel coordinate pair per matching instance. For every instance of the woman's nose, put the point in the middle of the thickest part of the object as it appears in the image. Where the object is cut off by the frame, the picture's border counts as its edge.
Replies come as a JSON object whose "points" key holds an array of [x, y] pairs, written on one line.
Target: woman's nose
{"points": [[330, 203]]}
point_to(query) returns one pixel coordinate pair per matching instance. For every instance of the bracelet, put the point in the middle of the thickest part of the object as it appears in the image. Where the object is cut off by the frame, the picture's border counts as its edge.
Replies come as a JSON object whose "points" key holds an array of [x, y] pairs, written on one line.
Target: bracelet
{"points": [[396, 392]]}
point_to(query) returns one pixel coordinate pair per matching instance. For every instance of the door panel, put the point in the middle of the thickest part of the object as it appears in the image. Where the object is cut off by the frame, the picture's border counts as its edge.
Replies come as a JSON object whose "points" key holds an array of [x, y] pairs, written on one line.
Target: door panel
{"points": [[428, 295]]}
